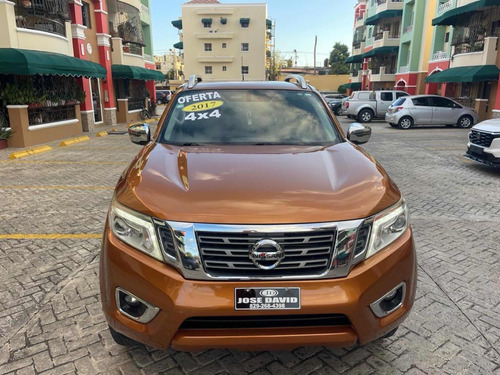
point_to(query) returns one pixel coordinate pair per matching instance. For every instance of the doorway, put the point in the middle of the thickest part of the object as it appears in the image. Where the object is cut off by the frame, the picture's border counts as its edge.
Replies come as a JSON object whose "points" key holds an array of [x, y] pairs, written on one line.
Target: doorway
{"points": [[96, 100]]}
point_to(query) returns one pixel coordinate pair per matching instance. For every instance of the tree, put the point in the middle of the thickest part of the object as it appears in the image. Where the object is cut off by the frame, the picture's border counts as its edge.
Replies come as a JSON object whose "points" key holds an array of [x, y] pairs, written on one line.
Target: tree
{"points": [[338, 56], [326, 63]]}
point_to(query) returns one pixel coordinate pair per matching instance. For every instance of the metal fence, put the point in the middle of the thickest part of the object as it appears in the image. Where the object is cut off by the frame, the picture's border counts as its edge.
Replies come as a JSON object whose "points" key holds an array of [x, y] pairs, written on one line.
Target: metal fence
{"points": [[45, 115], [135, 104], [35, 19]]}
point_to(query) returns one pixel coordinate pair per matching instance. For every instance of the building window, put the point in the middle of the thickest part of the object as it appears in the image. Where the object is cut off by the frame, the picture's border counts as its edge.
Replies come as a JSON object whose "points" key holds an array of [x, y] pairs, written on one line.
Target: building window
{"points": [[86, 14], [158, 66], [208, 70], [224, 45], [244, 46], [207, 22], [224, 68], [208, 47], [244, 70], [447, 37], [245, 22]]}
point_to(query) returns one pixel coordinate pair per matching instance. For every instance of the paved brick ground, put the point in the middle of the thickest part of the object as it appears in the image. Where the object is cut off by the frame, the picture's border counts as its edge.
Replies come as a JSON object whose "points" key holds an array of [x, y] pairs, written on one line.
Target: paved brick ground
{"points": [[50, 316]]}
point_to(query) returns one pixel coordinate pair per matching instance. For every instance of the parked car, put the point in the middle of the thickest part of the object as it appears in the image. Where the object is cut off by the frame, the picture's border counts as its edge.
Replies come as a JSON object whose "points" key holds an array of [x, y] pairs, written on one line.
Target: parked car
{"points": [[335, 102], [239, 225], [367, 105], [484, 143], [163, 96], [429, 110]]}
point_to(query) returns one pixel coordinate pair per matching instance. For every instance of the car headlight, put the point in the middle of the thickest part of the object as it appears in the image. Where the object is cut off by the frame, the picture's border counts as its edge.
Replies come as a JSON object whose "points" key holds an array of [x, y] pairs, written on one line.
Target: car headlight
{"points": [[387, 227], [135, 229]]}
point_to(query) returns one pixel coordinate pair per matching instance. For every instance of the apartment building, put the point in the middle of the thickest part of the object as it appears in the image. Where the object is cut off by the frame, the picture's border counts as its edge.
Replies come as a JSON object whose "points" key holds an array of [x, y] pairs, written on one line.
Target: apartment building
{"points": [[64, 63], [464, 61], [224, 41], [170, 64]]}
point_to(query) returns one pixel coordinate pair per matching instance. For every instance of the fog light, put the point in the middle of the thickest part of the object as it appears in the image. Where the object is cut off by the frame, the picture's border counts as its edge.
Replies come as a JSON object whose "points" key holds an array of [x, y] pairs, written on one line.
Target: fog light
{"points": [[133, 307], [389, 302]]}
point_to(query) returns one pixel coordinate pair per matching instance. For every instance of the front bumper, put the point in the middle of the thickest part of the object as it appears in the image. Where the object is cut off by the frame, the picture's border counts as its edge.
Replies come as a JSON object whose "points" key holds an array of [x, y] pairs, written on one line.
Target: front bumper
{"points": [[179, 299], [482, 155]]}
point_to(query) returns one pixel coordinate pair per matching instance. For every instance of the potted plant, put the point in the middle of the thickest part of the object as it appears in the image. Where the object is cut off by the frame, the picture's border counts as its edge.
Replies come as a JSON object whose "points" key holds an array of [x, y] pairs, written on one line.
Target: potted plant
{"points": [[4, 135]]}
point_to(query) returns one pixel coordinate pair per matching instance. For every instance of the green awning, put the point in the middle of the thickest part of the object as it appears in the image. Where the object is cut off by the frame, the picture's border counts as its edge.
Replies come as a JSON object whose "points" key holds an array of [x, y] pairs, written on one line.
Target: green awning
{"points": [[351, 85], [450, 17], [269, 24], [380, 51], [476, 73], [245, 21], [223, 20], [206, 20], [354, 59], [29, 62], [136, 72], [179, 45], [385, 14], [178, 24]]}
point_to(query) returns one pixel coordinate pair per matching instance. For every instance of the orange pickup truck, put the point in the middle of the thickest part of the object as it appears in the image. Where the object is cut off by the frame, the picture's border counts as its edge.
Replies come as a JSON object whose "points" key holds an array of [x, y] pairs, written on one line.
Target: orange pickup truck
{"points": [[249, 221]]}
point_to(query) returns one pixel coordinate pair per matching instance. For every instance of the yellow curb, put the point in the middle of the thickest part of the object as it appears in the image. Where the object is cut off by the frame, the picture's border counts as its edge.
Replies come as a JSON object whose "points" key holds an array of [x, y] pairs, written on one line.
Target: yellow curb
{"points": [[145, 121], [102, 134], [52, 236], [113, 129], [32, 151], [72, 141]]}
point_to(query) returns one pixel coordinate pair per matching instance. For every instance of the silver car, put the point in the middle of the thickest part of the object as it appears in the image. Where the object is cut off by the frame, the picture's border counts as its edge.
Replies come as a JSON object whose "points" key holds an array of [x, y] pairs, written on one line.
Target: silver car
{"points": [[408, 111]]}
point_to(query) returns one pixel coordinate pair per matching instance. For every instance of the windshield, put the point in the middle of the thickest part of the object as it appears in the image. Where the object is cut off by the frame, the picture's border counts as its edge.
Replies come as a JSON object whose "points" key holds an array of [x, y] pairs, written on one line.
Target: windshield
{"points": [[248, 117], [399, 101]]}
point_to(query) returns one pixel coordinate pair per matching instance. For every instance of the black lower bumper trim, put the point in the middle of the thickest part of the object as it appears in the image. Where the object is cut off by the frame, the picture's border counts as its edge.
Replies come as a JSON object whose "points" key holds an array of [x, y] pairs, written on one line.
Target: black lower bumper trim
{"points": [[485, 159]]}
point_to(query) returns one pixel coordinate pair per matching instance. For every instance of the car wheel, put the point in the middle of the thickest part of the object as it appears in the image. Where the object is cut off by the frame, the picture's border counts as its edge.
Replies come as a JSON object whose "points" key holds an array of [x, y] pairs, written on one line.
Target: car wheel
{"points": [[405, 123], [465, 122], [338, 112], [365, 115], [122, 339]]}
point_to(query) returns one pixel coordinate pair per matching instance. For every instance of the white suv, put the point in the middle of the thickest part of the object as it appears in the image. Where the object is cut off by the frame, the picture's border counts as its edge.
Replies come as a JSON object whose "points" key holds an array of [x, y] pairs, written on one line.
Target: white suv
{"points": [[484, 143]]}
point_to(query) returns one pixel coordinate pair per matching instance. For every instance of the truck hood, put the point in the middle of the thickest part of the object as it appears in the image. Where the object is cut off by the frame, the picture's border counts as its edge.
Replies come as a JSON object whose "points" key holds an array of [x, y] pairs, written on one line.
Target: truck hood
{"points": [[256, 184]]}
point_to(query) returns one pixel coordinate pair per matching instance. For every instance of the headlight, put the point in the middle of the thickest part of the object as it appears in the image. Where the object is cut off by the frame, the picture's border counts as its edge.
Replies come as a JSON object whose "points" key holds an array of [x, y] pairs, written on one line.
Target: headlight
{"points": [[135, 229], [388, 226]]}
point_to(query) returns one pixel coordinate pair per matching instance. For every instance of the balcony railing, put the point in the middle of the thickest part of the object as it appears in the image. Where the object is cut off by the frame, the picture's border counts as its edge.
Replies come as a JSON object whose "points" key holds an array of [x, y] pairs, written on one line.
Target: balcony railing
{"points": [[354, 73], [380, 2], [376, 70], [132, 48], [404, 69], [40, 20], [440, 55], [360, 18], [469, 46]]}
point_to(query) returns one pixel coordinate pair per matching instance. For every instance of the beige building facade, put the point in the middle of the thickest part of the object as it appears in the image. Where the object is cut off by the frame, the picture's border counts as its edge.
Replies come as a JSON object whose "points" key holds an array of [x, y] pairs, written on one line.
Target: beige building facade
{"points": [[223, 42], [170, 62]]}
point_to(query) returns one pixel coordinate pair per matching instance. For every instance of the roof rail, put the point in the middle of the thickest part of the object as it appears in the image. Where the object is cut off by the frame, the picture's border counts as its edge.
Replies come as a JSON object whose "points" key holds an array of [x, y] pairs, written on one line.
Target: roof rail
{"points": [[193, 80], [301, 82]]}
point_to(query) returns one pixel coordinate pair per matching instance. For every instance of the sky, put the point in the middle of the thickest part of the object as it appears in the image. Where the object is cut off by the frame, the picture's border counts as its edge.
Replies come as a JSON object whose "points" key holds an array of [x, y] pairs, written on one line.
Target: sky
{"points": [[297, 22]]}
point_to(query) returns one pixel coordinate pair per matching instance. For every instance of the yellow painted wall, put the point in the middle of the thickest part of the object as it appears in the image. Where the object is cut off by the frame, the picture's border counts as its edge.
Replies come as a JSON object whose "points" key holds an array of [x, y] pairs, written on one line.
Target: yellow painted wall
{"points": [[195, 36], [324, 83]]}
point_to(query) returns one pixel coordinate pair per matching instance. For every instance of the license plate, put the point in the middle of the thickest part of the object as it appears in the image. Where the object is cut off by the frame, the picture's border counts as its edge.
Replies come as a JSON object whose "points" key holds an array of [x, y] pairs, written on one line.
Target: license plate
{"points": [[267, 298], [476, 149]]}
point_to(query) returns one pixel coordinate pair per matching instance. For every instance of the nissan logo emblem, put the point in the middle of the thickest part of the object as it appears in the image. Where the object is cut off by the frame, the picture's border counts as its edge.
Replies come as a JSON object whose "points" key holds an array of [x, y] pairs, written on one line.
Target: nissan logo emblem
{"points": [[266, 250], [268, 293]]}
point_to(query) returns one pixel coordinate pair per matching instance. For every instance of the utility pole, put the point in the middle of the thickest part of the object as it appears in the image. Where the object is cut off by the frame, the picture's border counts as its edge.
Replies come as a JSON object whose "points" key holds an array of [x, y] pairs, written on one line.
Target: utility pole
{"points": [[315, 44], [274, 50], [295, 53]]}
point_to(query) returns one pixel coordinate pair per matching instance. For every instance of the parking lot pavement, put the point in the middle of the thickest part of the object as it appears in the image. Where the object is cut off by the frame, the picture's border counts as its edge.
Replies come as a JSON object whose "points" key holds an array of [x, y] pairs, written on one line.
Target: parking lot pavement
{"points": [[54, 207]]}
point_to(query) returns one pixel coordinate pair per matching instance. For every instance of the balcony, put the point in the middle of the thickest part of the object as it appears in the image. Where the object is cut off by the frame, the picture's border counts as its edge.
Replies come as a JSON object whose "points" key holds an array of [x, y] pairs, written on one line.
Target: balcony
{"points": [[384, 39], [48, 17], [383, 5], [360, 21], [382, 74], [356, 76], [480, 52], [404, 69], [446, 6], [358, 48]]}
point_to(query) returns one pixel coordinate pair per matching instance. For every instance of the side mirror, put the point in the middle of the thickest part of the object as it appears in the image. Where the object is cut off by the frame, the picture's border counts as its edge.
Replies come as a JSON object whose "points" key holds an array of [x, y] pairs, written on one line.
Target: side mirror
{"points": [[139, 134], [359, 134]]}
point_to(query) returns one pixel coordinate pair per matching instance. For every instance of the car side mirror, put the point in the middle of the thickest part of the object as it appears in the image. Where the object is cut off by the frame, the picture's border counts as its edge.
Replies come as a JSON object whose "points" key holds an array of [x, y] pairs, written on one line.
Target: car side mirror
{"points": [[359, 134], [139, 134]]}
